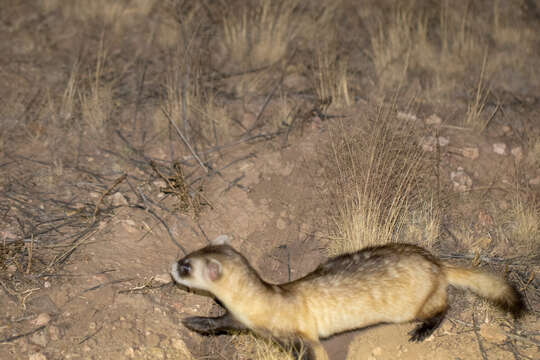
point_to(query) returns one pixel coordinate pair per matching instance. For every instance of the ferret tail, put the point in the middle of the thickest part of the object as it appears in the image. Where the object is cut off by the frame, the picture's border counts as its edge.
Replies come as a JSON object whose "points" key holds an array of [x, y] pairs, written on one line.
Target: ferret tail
{"points": [[486, 285]]}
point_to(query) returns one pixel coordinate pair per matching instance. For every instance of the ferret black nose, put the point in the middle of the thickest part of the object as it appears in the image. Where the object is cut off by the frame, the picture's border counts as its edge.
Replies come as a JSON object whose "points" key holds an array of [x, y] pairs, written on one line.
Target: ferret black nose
{"points": [[184, 267]]}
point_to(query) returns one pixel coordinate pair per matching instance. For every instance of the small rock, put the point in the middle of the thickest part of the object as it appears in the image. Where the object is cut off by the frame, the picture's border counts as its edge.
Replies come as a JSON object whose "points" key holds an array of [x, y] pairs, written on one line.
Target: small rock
{"points": [[433, 119], [517, 152], [156, 353], [281, 224], [492, 333], [119, 200], [47, 284], [499, 148], [130, 226], [37, 356], [164, 278], [152, 340], [42, 319], [297, 82], [447, 328], [429, 143], [377, 351], [535, 181], [39, 338], [506, 129], [55, 333], [461, 180], [11, 269], [129, 352], [406, 116], [179, 345], [470, 152], [95, 195], [159, 183]]}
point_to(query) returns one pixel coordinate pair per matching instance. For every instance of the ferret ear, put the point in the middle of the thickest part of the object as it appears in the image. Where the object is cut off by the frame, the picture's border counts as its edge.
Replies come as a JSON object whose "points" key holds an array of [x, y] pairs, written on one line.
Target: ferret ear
{"points": [[220, 240], [213, 268]]}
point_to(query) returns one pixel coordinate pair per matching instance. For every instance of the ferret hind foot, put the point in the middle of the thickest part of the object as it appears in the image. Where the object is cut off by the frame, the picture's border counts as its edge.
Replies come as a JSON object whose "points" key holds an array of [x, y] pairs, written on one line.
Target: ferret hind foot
{"points": [[426, 328], [212, 325], [201, 324]]}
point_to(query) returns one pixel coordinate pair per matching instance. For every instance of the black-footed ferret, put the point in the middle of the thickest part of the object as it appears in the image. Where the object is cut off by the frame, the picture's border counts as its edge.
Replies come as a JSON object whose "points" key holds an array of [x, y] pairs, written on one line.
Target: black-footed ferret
{"points": [[393, 283]]}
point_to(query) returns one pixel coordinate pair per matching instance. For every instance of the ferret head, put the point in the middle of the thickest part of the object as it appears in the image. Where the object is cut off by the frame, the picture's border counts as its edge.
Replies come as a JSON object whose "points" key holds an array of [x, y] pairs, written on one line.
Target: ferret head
{"points": [[211, 267]]}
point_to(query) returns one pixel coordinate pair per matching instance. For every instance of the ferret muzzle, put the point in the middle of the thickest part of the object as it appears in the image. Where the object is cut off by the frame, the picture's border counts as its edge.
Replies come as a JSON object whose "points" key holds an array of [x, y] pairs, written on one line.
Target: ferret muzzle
{"points": [[184, 268]]}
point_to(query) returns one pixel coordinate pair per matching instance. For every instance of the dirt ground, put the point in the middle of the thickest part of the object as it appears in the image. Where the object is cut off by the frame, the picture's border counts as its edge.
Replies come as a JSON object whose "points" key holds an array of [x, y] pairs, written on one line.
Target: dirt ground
{"points": [[104, 183]]}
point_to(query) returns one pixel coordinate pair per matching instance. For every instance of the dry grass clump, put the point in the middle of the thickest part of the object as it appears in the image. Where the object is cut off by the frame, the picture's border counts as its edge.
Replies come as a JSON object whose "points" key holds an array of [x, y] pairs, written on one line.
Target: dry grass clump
{"points": [[117, 14], [253, 347], [192, 105], [257, 34], [440, 44], [331, 79], [474, 117], [96, 98], [524, 225], [378, 187], [398, 41]]}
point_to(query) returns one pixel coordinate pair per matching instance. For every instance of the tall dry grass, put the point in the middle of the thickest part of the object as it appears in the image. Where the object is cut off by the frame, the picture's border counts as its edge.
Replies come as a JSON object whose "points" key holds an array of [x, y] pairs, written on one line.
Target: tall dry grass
{"points": [[378, 184], [96, 96], [331, 81]]}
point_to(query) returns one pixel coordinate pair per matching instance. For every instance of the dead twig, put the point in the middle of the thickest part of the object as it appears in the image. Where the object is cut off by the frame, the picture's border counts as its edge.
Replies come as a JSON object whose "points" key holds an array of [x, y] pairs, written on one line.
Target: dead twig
{"points": [[184, 140], [15, 337], [479, 339], [112, 282], [107, 192], [78, 242], [88, 337]]}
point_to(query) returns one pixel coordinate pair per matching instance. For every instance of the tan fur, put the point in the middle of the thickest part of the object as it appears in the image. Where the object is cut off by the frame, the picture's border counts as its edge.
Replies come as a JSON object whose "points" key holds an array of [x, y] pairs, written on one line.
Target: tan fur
{"points": [[388, 284]]}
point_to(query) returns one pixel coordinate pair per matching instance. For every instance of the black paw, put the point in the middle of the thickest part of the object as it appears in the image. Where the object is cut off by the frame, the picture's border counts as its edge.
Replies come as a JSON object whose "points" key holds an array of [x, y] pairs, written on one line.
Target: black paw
{"points": [[202, 325], [420, 333]]}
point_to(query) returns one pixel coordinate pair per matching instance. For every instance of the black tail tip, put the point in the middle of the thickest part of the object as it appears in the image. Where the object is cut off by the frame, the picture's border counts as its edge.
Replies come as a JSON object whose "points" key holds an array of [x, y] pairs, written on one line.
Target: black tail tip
{"points": [[514, 304]]}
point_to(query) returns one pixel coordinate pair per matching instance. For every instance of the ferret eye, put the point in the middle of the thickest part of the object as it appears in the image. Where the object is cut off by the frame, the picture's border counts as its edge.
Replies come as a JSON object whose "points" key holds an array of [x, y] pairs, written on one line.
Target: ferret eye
{"points": [[184, 267]]}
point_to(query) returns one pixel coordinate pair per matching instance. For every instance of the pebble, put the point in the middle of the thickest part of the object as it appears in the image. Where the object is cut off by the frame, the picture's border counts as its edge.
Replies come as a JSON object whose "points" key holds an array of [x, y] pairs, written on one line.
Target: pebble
{"points": [[179, 345], [281, 224], [152, 340], [39, 338], [55, 333], [164, 278], [429, 143], [129, 352], [42, 319], [499, 148], [119, 200], [156, 353], [517, 152], [506, 129], [535, 181], [470, 152], [406, 116], [461, 180], [11, 269], [433, 119], [37, 356]]}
